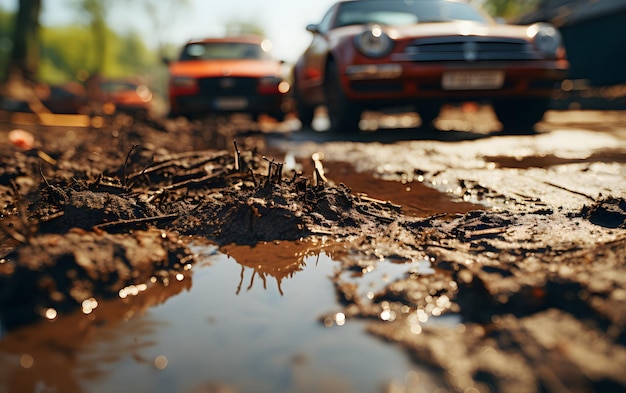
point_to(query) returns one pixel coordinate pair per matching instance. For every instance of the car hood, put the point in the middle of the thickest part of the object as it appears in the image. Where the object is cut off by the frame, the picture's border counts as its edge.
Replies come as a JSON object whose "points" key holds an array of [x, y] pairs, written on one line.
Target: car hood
{"points": [[241, 68], [456, 28], [461, 28]]}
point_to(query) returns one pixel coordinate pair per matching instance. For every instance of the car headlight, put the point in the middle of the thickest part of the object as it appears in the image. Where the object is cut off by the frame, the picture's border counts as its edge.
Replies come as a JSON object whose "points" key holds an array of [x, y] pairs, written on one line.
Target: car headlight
{"points": [[273, 85], [546, 37], [373, 42]]}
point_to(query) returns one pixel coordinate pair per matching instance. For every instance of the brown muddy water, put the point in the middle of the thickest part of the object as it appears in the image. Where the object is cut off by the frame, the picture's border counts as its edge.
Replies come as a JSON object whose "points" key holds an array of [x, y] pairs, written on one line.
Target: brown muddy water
{"points": [[242, 319], [267, 321]]}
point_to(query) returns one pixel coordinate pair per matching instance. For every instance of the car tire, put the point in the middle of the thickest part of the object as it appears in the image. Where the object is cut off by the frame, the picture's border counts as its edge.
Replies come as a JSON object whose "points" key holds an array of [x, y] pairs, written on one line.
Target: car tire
{"points": [[520, 115], [428, 113], [344, 116], [305, 112], [278, 116]]}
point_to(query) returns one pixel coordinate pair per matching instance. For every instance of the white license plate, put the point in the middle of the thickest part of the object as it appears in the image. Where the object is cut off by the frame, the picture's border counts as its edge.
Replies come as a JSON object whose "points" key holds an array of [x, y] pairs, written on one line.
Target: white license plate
{"points": [[472, 80], [231, 103]]}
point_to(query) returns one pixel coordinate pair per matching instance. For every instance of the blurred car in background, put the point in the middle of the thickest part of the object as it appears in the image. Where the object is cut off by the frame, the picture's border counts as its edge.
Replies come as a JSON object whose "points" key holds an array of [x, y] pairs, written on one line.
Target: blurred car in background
{"points": [[227, 75], [124, 95], [66, 98], [373, 54]]}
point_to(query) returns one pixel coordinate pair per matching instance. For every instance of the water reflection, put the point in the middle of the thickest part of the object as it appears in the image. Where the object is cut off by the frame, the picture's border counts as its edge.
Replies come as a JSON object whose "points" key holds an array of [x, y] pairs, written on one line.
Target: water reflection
{"points": [[212, 335], [59, 354], [278, 260]]}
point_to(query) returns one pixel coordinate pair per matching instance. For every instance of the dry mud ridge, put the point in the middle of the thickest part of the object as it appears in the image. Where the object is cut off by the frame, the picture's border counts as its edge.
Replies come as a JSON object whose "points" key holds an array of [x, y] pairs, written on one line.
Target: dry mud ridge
{"points": [[539, 295]]}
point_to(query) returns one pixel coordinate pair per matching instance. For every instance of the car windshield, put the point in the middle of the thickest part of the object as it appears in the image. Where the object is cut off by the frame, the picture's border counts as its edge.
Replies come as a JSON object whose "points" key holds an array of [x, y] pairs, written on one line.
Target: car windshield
{"points": [[222, 51], [405, 12]]}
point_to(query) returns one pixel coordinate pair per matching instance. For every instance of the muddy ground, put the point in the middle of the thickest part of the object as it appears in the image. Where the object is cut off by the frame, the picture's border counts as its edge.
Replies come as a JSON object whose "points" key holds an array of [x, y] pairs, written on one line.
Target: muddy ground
{"points": [[539, 286]]}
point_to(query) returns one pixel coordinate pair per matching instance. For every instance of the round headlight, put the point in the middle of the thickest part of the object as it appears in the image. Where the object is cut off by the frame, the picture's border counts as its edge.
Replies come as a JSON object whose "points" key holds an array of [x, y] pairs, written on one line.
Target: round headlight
{"points": [[373, 42], [546, 37]]}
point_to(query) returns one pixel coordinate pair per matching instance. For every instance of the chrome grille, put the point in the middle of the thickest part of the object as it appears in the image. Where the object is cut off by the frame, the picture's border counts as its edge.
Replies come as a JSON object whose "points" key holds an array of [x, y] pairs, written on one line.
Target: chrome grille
{"points": [[468, 48]]}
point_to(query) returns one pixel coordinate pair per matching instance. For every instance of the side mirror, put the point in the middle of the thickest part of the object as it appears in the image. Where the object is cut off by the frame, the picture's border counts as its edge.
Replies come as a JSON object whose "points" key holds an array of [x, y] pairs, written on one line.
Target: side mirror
{"points": [[165, 60], [313, 28]]}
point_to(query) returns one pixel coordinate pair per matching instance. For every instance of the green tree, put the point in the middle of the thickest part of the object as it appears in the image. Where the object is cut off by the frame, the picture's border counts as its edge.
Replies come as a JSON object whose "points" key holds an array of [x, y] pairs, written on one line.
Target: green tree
{"points": [[509, 9], [67, 52], [24, 57], [95, 12], [6, 41]]}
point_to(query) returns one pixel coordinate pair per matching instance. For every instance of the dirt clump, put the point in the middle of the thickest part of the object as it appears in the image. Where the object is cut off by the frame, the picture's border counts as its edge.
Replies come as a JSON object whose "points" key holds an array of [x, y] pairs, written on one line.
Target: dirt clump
{"points": [[73, 230]]}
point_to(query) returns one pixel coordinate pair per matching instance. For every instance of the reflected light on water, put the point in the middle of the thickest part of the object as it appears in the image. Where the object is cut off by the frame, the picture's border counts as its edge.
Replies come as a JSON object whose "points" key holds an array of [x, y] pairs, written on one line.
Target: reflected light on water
{"points": [[89, 305], [387, 314], [26, 361], [132, 290], [50, 313], [160, 362], [338, 319]]}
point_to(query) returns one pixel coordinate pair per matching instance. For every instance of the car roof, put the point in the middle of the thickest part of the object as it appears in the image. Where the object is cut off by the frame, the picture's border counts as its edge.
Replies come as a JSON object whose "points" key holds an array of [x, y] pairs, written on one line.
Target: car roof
{"points": [[243, 39]]}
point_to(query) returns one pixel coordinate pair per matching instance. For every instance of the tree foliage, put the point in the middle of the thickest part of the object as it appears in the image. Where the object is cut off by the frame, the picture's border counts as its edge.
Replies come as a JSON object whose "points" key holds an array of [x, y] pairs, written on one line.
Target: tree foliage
{"points": [[24, 56], [69, 53], [509, 9], [6, 41]]}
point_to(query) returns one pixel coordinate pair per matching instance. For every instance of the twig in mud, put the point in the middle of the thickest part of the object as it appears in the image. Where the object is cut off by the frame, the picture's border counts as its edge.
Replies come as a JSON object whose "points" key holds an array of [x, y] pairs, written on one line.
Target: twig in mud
{"points": [[192, 182], [270, 166], [253, 177], [319, 169], [271, 173], [143, 172], [135, 222], [568, 190], [44, 156], [133, 147], [18, 237], [379, 202], [318, 178], [43, 176], [237, 157], [279, 172]]}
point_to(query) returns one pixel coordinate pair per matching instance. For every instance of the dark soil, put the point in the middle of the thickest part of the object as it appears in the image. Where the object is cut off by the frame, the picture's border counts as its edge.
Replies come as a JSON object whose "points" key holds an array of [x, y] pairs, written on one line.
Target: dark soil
{"points": [[88, 213]]}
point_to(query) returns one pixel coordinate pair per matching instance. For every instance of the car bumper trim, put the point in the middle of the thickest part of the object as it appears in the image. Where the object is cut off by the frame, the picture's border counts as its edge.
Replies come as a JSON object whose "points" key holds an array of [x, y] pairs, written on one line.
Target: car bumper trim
{"points": [[374, 71]]}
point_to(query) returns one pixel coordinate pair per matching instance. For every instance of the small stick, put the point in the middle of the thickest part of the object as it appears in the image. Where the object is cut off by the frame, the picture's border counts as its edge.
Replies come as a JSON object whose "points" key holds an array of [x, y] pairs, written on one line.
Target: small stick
{"points": [[42, 176], [253, 177], [133, 147], [237, 157]]}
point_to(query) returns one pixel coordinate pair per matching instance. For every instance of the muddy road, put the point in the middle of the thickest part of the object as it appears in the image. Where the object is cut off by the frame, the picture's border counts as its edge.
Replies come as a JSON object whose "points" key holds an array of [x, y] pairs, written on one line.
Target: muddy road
{"points": [[161, 256]]}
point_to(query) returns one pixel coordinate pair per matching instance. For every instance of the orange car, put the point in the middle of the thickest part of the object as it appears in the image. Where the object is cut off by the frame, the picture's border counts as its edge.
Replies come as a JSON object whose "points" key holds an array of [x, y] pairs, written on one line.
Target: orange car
{"points": [[225, 75], [372, 54], [125, 95]]}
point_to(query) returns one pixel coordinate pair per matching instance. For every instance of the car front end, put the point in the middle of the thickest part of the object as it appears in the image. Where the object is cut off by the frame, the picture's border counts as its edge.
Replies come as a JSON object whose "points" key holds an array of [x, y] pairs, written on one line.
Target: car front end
{"points": [[452, 61], [224, 76], [200, 95]]}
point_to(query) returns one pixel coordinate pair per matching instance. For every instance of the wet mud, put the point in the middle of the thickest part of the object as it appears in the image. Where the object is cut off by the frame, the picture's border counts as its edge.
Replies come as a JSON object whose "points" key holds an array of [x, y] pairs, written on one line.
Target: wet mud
{"points": [[90, 216]]}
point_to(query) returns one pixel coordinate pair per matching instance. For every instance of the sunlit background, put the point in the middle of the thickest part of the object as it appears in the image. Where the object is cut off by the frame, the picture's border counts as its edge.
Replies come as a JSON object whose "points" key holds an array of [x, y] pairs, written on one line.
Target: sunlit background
{"points": [[174, 22]]}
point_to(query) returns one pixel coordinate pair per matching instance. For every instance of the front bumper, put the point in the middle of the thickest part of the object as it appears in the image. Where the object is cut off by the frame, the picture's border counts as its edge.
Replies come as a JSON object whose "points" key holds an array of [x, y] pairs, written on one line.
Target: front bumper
{"points": [[408, 82], [194, 105]]}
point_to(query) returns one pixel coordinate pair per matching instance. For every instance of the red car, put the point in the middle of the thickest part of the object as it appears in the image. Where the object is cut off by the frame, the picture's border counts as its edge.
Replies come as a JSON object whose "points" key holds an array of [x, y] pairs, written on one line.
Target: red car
{"points": [[373, 54], [226, 75]]}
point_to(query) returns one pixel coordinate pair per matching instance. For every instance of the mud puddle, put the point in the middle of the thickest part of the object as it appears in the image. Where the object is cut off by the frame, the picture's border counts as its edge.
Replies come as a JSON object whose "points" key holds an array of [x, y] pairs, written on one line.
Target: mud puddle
{"points": [[415, 198], [246, 320]]}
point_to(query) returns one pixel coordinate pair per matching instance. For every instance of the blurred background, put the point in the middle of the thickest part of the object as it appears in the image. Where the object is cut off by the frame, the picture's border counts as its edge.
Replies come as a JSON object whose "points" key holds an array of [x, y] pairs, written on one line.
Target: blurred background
{"points": [[63, 44]]}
